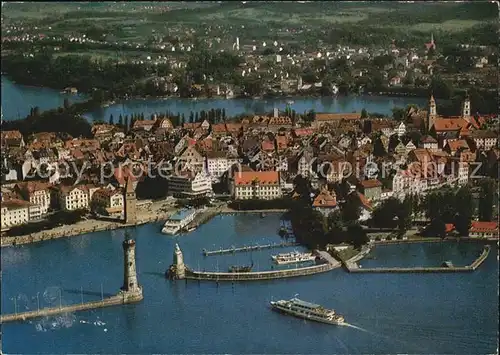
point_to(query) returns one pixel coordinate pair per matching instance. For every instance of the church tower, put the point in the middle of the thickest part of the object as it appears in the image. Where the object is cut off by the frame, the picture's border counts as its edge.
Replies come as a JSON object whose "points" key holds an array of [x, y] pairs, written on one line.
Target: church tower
{"points": [[130, 203], [432, 114], [131, 290], [466, 108]]}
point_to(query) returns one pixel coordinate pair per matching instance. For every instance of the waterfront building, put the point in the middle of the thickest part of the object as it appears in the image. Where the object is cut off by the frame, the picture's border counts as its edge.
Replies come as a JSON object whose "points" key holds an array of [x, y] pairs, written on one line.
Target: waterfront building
{"points": [[130, 203], [73, 197], [256, 184], [481, 229], [38, 194], [112, 201], [325, 202], [15, 212], [189, 184]]}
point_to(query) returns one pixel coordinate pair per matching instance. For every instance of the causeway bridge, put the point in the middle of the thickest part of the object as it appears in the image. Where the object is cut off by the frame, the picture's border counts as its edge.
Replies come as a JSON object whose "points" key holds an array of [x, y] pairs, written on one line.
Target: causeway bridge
{"points": [[130, 292]]}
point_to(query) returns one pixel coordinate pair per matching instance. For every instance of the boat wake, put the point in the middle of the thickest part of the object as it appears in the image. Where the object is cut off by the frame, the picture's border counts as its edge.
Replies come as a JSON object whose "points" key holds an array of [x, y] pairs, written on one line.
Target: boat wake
{"points": [[355, 327]]}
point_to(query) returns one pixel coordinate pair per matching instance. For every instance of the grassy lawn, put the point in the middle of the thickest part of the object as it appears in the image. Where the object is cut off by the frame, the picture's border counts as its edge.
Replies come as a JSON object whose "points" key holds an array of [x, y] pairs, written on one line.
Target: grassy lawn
{"points": [[451, 25], [347, 253]]}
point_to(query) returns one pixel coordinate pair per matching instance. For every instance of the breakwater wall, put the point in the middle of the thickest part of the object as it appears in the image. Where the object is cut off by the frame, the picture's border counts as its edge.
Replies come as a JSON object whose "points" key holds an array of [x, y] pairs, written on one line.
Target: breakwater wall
{"points": [[433, 240], [248, 248], [119, 299], [328, 263], [255, 276], [353, 267]]}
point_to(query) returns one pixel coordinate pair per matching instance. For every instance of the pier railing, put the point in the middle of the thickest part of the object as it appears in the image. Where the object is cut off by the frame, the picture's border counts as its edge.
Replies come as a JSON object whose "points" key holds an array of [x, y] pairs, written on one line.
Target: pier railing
{"points": [[249, 248]]}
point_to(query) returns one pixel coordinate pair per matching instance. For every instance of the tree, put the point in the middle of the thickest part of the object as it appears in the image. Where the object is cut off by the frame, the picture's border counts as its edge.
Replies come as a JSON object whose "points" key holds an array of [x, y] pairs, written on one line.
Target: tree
{"points": [[126, 124], [465, 209], [378, 147], [120, 120], [66, 103], [486, 200], [351, 209], [399, 113], [404, 214], [384, 215], [364, 114], [111, 119]]}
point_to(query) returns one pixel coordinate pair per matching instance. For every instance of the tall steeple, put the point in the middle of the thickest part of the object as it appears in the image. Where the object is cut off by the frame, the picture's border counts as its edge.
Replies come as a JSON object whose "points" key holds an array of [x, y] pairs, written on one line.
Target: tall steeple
{"points": [[432, 114], [130, 202], [432, 38], [466, 107]]}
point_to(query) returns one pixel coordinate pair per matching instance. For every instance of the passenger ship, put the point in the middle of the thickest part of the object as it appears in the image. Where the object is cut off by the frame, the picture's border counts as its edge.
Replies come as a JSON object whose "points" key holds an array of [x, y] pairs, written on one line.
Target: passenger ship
{"points": [[293, 257], [306, 310], [179, 221]]}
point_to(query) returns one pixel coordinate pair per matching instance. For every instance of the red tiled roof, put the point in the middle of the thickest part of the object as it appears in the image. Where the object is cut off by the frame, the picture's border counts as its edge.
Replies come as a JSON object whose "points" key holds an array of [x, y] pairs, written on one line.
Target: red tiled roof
{"points": [[449, 124], [325, 199], [337, 116], [262, 177], [368, 184], [484, 227], [303, 132], [449, 227]]}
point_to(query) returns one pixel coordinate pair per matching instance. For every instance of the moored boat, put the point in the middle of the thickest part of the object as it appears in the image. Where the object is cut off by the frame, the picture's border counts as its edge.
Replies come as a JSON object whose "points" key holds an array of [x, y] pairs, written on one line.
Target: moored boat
{"points": [[179, 221], [293, 257], [306, 310]]}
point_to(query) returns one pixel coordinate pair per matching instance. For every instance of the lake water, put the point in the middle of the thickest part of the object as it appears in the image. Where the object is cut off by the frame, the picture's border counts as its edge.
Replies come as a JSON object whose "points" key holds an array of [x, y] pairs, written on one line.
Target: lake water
{"points": [[18, 99], [394, 313]]}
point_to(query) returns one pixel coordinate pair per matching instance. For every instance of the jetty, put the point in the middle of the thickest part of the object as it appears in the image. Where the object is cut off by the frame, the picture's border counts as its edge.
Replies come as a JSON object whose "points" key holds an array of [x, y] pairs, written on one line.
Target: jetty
{"points": [[353, 267], [179, 271], [249, 248], [131, 292], [44, 312]]}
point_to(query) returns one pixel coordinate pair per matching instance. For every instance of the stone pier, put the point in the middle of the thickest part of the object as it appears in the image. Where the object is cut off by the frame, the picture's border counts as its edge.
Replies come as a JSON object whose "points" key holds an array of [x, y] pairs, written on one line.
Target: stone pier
{"points": [[130, 292]]}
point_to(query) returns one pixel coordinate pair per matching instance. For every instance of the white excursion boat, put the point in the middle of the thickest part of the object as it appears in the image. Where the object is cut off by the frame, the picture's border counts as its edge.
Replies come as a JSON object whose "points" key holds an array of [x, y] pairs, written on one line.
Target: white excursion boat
{"points": [[292, 258], [178, 221], [306, 310]]}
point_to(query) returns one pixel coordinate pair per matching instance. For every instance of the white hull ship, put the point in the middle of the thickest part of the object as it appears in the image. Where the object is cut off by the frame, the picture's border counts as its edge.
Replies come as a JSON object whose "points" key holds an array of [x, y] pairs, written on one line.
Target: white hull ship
{"points": [[292, 258], [306, 310], [178, 221]]}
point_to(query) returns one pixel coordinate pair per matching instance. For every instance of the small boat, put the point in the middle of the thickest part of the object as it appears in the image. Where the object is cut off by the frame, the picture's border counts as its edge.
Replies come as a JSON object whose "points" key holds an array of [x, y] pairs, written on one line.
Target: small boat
{"points": [[306, 310], [262, 215], [246, 268]]}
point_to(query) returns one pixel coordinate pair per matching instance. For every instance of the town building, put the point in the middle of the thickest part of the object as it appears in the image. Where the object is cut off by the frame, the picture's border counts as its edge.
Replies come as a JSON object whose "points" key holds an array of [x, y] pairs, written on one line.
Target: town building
{"points": [[325, 202], [14, 212], [189, 184], [263, 185]]}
